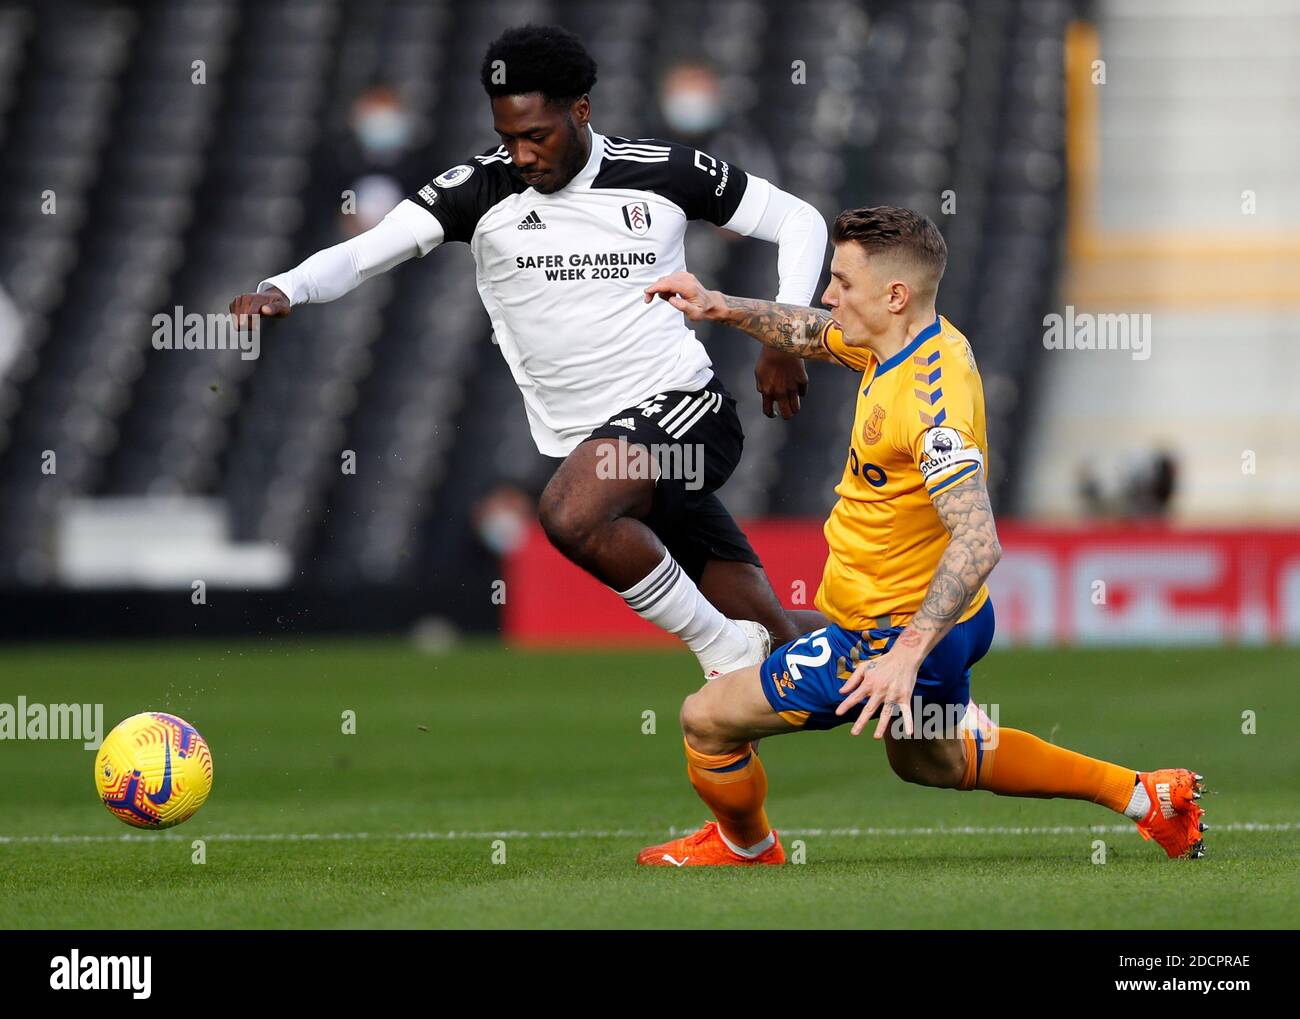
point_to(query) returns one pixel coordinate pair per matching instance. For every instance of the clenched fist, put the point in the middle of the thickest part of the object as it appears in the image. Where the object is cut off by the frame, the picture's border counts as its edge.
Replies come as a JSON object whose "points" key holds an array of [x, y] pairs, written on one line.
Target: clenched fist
{"points": [[272, 303]]}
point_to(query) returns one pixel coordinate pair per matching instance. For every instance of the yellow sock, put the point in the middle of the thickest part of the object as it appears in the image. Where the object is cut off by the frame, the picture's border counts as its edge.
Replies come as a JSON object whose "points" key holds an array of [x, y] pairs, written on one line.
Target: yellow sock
{"points": [[734, 787], [1021, 764]]}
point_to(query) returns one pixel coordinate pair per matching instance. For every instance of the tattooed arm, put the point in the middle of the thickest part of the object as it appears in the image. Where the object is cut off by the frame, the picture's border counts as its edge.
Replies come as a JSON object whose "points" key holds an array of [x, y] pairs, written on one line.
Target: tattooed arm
{"points": [[784, 327], [972, 552], [788, 328]]}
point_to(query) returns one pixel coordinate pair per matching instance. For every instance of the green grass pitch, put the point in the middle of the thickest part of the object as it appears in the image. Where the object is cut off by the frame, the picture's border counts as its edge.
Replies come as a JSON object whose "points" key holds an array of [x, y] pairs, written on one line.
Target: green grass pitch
{"points": [[395, 826]]}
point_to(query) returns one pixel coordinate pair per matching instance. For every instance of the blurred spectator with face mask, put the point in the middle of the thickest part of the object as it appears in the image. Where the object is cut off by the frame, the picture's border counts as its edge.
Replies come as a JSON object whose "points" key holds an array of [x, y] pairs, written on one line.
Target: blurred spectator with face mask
{"points": [[503, 517], [697, 107], [382, 126], [376, 158], [694, 108]]}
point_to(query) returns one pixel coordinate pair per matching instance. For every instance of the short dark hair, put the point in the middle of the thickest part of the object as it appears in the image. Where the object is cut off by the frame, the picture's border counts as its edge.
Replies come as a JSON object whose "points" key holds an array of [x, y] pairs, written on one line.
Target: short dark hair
{"points": [[888, 228], [538, 58]]}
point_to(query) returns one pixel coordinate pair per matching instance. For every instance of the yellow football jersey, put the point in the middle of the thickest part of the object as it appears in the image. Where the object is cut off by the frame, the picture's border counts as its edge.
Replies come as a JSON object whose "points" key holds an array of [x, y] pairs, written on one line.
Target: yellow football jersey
{"points": [[919, 428]]}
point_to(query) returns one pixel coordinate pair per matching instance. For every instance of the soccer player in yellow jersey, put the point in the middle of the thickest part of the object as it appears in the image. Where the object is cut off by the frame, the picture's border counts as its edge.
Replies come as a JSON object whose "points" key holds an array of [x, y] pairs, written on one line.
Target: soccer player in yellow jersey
{"points": [[910, 544]]}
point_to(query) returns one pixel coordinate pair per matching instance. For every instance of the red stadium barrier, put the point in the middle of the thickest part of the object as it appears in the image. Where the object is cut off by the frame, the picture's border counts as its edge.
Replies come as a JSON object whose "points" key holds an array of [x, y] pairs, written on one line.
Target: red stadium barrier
{"points": [[1161, 585], [1121, 584]]}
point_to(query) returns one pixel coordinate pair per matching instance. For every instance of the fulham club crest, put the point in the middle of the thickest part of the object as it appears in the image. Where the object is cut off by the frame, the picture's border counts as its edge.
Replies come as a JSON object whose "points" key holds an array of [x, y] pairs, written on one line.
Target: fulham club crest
{"points": [[637, 217]]}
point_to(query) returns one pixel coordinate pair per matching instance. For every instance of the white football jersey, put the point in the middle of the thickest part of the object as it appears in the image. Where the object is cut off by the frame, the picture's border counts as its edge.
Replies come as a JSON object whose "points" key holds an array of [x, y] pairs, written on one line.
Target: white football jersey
{"points": [[562, 275]]}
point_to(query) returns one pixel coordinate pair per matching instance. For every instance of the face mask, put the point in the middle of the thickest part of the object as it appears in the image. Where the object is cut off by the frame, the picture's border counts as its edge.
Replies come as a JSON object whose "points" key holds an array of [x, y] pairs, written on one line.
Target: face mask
{"points": [[384, 131], [692, 112], [502, 530]]}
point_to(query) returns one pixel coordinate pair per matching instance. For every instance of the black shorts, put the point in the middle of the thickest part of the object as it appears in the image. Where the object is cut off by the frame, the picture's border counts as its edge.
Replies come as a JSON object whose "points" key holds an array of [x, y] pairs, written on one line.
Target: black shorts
{"points": [[697, 441]]}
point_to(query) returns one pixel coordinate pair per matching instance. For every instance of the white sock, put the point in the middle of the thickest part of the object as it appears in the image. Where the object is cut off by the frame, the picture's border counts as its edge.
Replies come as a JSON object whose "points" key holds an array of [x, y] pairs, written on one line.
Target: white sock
{"points": [[757, 849], [1140, 805], [669, 598]]}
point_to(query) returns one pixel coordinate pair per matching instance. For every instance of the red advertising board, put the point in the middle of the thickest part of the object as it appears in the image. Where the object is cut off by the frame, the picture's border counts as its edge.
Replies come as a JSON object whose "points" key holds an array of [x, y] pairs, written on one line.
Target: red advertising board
{"points": [[1103, 584]]}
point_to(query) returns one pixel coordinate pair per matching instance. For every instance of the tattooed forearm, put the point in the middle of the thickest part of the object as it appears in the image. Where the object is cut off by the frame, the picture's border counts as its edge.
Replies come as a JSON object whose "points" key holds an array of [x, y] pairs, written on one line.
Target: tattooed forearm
{"points": [[973, 550], [947, 596], [784, 327]]}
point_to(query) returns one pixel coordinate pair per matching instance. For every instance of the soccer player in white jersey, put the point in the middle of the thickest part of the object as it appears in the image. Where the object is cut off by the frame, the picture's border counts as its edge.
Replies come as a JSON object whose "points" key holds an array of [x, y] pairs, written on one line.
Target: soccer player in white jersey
{"points": [[567, 228]]}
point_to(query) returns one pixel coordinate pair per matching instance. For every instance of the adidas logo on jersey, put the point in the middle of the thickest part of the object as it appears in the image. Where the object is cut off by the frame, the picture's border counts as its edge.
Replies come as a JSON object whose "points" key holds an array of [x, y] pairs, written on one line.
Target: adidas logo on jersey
{"points": [[628, 423], [531, 222]]}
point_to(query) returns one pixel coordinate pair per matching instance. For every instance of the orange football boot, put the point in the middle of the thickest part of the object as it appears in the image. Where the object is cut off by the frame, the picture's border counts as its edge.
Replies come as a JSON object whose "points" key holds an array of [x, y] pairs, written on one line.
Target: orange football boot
{"points": [[705, 848], [1174, 819]]}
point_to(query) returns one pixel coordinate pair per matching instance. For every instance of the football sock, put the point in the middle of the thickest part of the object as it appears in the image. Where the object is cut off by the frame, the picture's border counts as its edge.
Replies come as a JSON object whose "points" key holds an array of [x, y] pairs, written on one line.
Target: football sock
{"points": [[669, 598], [1140, 805], [749, 852], [1021, 764], [734, 787]]}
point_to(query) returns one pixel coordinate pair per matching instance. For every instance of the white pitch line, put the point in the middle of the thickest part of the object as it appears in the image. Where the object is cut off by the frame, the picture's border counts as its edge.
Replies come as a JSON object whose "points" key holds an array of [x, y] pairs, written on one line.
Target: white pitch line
{"points": [[617, 833]]}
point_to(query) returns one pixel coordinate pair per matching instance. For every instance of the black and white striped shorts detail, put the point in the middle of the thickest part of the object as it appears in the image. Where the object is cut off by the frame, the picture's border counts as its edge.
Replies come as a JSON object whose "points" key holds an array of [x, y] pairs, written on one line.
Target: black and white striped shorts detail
{"points": [[681, 418]]}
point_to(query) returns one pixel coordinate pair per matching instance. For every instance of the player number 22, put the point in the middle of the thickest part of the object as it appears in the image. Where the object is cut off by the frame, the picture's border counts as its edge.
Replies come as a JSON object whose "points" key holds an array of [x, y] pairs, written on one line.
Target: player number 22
{"points": [[823, 655]]}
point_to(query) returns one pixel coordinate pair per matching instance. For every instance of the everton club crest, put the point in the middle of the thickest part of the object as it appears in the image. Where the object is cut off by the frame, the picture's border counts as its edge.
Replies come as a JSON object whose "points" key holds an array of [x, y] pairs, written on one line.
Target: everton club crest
{"points": [[873, 428]]}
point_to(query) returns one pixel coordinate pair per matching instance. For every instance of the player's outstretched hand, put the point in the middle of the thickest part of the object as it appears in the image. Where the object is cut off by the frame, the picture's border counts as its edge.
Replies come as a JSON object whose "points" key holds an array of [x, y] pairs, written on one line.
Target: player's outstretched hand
{"points": [[271, 303], [685, 293], [782, 379], [888, 680]]}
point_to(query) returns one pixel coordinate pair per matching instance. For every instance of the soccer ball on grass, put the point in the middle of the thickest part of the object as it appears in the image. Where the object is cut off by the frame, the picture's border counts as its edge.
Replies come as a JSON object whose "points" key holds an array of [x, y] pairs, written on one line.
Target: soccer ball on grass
{"points": [[154, 770]]}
